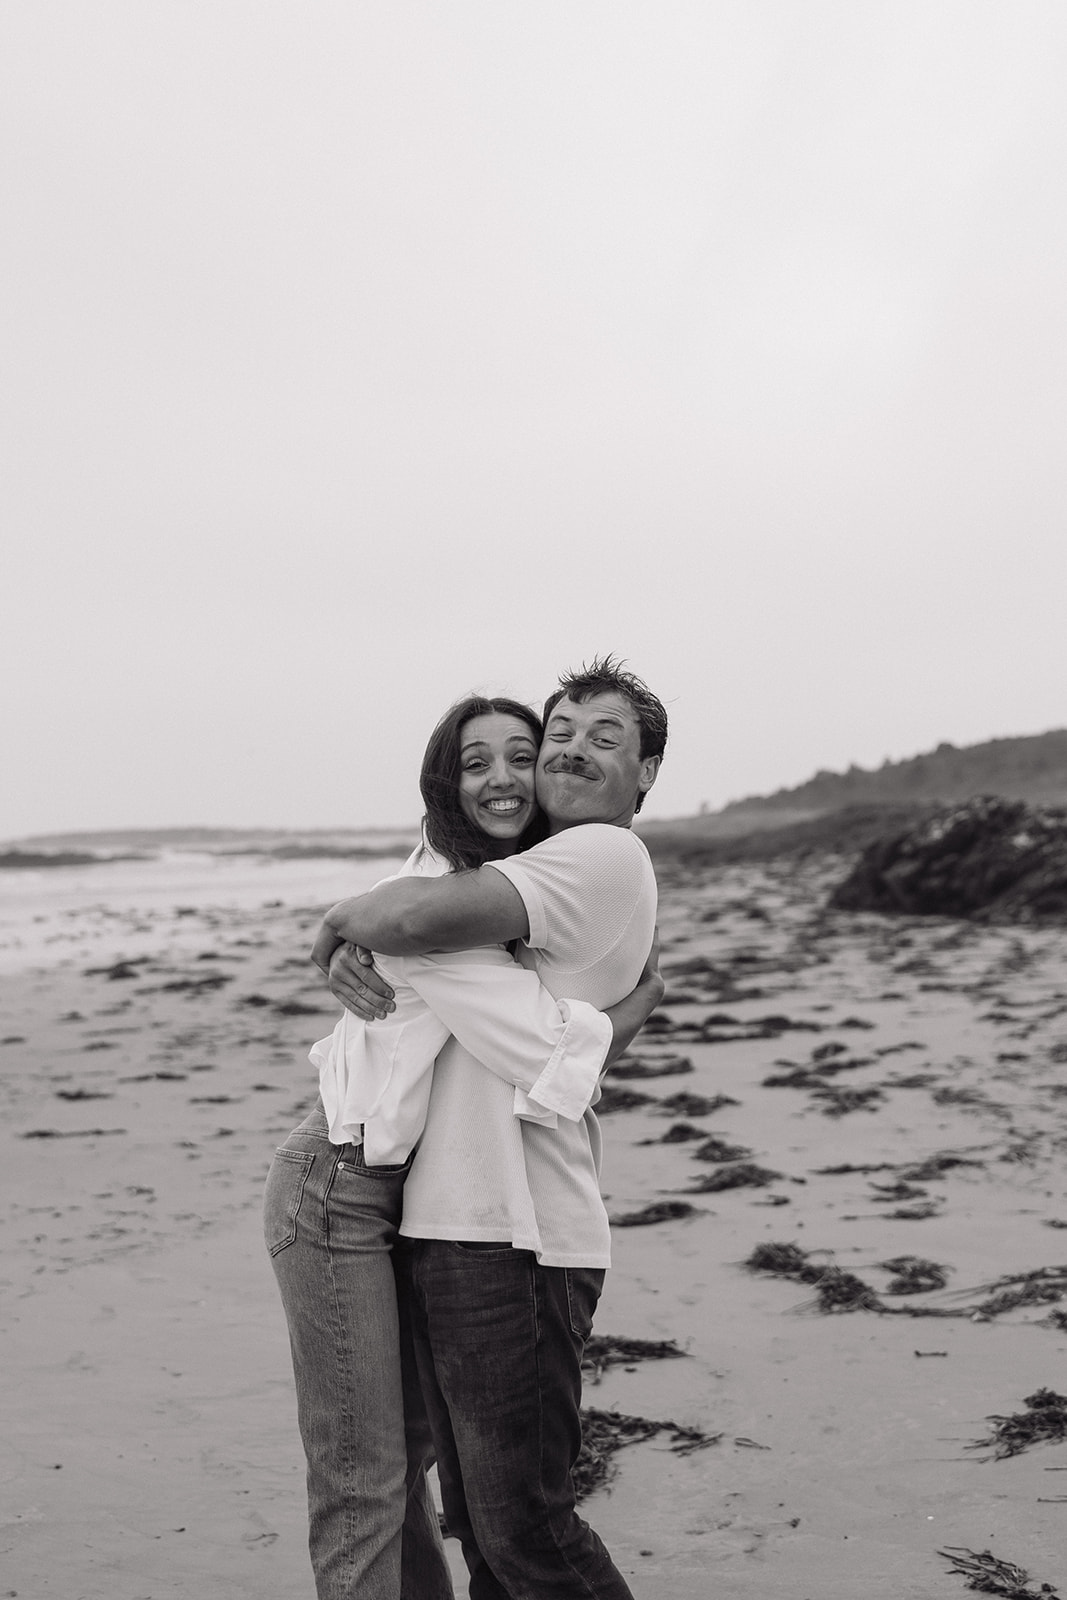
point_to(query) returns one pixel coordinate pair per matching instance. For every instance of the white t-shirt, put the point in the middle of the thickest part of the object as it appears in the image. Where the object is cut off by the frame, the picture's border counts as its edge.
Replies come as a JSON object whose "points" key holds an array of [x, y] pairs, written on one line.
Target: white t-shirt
{"points": [[480, 1173], [375, 1077]]}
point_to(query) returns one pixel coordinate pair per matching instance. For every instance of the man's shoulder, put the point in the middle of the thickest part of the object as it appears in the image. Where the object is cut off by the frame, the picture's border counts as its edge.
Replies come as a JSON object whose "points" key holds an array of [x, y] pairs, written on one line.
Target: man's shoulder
{"points": [[600, 842], [581, 889]]}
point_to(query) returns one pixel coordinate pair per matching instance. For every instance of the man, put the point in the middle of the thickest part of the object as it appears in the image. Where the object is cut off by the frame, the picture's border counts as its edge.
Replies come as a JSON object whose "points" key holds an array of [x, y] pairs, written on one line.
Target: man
{"points": [[507, 1234]]}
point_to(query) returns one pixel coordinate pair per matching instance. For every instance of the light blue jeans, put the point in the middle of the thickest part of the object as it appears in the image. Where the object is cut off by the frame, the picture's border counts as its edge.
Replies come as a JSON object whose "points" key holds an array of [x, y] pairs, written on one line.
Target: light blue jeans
{"points": [[330, 1223]]}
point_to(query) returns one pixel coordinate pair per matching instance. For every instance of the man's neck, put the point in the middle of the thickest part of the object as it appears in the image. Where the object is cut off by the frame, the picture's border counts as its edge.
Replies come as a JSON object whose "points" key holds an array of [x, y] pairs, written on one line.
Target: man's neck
{"points": [[611, 822]]}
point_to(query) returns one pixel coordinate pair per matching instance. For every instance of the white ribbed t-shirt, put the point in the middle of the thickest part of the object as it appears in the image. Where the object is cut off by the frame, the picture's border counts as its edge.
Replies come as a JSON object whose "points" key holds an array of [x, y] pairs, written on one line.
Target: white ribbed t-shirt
{"points": [[479, 1172]]}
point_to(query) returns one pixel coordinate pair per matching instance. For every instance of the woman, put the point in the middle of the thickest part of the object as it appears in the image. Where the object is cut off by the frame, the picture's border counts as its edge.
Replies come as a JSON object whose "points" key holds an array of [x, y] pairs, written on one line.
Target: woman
{"points": [[333, 1198]]}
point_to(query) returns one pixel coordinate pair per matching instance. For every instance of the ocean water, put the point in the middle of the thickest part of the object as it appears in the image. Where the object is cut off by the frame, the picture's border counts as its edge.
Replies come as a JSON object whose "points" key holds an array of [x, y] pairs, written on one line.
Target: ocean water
{"points": [[122, 909]]}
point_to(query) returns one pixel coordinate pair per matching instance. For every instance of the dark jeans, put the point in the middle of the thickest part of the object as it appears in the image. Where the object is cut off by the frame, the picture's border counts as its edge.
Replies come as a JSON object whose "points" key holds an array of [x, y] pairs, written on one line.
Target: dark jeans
{"points": [[495, 1342]]}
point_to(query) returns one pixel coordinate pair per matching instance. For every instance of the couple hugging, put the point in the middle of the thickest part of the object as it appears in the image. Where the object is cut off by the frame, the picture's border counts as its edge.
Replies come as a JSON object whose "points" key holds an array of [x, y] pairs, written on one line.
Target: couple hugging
{"points": [[436, 1224]]}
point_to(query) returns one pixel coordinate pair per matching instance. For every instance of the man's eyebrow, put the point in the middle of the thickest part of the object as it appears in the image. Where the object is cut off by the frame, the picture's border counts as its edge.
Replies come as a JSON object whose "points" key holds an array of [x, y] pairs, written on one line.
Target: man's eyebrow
{"points": [[611, 719]]}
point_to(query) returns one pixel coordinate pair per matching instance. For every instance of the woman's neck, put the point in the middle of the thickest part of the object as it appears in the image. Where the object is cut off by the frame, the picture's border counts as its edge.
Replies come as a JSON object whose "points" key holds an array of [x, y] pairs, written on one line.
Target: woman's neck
{"points": [[500, 849]]}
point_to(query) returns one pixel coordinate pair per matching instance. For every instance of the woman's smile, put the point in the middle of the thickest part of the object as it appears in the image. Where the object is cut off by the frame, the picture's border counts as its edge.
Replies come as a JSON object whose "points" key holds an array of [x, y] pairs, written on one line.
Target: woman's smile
{"points": [[498, 755]]}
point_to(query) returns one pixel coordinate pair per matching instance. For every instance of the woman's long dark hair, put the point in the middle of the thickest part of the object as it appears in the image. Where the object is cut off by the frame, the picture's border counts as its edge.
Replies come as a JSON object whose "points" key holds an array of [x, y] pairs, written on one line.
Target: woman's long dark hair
{"points": [[446, 828]]}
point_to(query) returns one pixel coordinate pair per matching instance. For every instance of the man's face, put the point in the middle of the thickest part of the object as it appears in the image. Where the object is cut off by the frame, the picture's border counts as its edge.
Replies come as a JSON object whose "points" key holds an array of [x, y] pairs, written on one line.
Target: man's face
{"points": [[590, 768]]}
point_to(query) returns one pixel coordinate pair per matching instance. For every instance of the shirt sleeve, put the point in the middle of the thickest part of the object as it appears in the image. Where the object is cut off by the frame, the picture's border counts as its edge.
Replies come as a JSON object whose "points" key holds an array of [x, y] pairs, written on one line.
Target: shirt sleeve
{"points": [[580, 889], [551, 1050], [358, 1064]]}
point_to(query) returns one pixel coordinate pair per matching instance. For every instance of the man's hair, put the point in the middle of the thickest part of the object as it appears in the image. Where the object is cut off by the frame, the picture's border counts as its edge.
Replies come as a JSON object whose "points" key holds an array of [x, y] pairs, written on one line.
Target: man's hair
{"points": [[446, 826], [605, 675]]}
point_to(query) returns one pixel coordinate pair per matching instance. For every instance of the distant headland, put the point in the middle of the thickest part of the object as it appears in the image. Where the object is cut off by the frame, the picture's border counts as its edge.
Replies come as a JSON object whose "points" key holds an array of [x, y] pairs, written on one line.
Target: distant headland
{"points": [[846, 810]]}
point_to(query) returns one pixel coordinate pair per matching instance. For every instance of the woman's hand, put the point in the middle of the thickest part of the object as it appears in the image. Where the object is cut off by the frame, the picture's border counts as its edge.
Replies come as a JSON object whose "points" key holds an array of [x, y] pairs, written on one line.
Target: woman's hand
{"points": [[356, 982]]}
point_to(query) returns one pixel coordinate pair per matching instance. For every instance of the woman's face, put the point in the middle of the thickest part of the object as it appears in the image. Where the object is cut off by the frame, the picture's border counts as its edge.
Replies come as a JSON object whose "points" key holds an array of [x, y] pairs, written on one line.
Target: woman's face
{"points": [[497, 759]]}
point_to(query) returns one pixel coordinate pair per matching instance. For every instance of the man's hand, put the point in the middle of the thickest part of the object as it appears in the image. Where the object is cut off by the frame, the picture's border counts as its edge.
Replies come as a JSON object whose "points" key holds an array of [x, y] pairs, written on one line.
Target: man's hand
{"points": [[356, 983], [327, 940]]}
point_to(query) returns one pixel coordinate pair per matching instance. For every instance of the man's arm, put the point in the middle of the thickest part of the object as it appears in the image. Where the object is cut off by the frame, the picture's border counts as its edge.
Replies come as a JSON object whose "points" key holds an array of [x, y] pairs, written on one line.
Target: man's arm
{"points": [[411, 916], [629, 1016]]}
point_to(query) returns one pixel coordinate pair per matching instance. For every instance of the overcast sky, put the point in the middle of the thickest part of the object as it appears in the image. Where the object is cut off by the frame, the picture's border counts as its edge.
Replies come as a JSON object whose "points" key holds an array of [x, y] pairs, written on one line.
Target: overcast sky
{"points": [[358, 355]]}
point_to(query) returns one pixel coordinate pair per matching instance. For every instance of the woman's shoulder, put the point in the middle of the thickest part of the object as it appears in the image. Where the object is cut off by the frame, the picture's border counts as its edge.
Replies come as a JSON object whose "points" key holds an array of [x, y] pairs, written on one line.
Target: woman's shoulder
{"points": [[424, 862]]}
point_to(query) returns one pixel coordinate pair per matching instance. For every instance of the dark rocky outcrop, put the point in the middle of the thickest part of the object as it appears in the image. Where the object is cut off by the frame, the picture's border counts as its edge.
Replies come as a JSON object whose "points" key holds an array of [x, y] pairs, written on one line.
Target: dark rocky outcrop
{"points": [[990, 858]]}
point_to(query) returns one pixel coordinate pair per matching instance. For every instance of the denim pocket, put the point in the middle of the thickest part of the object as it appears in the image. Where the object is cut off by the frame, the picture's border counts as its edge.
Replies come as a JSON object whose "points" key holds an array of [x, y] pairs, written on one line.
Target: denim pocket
{"points": [[497, 1248], [583, 1291], [282, 1196], [359, 1165]]}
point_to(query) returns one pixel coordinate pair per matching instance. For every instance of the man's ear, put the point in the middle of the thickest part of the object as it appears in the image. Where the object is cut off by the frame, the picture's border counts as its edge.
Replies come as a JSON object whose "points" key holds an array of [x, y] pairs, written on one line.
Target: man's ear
{"points": [[649, 771]]}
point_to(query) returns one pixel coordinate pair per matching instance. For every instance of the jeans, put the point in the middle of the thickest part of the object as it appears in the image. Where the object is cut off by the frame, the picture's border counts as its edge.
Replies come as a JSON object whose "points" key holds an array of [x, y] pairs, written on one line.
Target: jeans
{"points": [[330, 1223], [495, 1342]]}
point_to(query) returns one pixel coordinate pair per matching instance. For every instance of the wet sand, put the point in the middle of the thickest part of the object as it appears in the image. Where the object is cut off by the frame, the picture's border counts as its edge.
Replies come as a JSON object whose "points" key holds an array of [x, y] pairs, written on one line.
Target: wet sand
{"points": [[149, 1416]]}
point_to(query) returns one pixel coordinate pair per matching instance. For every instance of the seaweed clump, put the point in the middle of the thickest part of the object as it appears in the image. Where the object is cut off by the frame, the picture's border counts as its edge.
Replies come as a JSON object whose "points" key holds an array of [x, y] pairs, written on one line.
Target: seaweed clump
{"points": [[613, 1099], [606, 1432], [838, 1101], [842, 1291], [836, 1290], [650, 1067], [913, 1275], [1041, 1286], [720, 1151], [737, 1175], [608, 1350], [658, 1211], [1043, 1422], [987, 1574], [686, 1104], [680, 1133]]}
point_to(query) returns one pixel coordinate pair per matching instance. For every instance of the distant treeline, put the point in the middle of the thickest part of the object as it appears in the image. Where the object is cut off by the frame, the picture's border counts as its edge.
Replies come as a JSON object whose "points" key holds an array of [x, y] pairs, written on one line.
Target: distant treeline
{"points": [[1031, 768]]}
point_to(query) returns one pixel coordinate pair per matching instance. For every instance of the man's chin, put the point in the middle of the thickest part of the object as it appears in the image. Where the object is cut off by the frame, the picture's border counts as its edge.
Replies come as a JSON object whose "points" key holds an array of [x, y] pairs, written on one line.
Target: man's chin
{"points": [[562, 786], [566, 810]]}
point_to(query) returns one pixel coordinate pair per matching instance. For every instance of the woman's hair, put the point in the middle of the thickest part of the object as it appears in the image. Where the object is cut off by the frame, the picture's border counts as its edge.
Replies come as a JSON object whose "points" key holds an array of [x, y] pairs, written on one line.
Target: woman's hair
{"points": [[446, 827]]}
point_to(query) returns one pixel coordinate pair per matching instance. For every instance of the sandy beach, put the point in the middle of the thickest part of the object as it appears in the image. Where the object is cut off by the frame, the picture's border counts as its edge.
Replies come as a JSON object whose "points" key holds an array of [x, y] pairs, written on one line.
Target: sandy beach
{"points": [[885, 1096]]}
